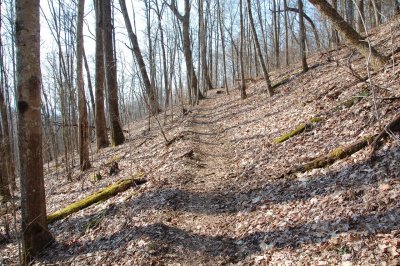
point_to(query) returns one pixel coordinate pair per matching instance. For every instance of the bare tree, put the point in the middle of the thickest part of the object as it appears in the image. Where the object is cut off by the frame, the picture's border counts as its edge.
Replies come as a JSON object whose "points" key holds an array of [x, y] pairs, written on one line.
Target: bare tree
{"points": [[243, 94], [35, 233], [101, 128], [150, 91], [83, 120], [302, 37], [358, 42], [259, 52], [186, 44], [117, 136], [203, 47]]}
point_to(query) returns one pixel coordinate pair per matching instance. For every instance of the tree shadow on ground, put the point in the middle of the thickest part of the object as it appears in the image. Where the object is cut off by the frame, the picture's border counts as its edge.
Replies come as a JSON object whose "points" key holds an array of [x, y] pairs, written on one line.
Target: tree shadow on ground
{"points": [[164, 239], [188, 244]]}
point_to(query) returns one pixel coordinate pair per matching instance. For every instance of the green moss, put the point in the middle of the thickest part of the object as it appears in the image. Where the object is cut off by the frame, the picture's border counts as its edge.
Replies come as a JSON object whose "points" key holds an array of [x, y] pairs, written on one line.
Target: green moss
{"points": [[292, 133], [337, 153], [364, 93], [349, 103], [100, 195], [299, 129], [113, 160], [315, 119]]}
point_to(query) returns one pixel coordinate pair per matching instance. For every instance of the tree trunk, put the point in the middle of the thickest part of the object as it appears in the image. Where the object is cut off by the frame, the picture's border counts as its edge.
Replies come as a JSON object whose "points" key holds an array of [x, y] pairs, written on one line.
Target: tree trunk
{"points": [[151, 95], [377, 60], [243, 94], [302, 37], [276, 34], [101, 128], [335, 35], [187, 50], [223, 46], [83, 120], [396, 7], [35, 233], [285, 10], [117, 136], [5, 194], [203, 48], [7, 174], [259, 52], [360, 15], [312, 24], [89, 80]]}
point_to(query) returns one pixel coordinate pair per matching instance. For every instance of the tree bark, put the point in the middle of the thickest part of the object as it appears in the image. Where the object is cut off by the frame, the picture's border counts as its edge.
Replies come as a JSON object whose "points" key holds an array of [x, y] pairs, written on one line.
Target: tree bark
{"points": [[101, 127], [243, 94], [151, 95], [359, 43], [360, 15], [117, 135], [223, 45], [203, 47], [312, 24], [83, 119], [275, 23], [302, 37], [187, 50], [35, 233], [259, 52]]}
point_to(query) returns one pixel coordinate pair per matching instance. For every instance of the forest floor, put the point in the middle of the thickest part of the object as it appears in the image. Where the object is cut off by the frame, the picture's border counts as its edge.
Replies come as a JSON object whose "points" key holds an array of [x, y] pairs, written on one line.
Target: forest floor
{"points": [[219, 194]]}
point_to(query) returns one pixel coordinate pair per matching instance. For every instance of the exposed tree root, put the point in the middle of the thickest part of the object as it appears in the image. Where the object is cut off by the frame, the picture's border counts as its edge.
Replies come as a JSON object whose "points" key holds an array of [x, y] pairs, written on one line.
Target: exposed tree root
{"points": [[299, 129], [100, 195]]}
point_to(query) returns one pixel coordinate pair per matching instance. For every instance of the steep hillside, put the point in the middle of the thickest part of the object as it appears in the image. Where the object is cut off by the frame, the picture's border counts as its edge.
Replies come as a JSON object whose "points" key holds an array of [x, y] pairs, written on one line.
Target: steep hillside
{"points": [[220, 192]]}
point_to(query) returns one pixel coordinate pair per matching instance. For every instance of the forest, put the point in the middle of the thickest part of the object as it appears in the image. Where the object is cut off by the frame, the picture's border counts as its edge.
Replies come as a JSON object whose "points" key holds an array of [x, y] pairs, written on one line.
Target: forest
{"points": [[200, 132]]}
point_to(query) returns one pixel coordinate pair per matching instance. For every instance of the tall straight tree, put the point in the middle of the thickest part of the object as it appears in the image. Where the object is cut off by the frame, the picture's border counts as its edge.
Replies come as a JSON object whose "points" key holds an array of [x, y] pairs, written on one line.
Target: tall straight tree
{"points": [[221, 29], [153, 104], [101, 128], [259, 52], [335, 36], [34, 229], [302, 37], [117, 136], [360, 15], [83, 119], [359, 43], [187, 50], [243, 94], [203, 48]]}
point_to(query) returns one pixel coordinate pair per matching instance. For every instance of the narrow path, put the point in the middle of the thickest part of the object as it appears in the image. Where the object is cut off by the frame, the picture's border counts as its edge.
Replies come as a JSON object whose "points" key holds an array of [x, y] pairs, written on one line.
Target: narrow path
{"points": [[209, 205]]}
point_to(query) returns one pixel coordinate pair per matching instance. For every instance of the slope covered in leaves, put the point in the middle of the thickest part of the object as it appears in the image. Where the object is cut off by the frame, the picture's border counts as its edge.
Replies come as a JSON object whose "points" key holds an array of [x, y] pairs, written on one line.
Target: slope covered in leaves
{"points": [[218, 193]]}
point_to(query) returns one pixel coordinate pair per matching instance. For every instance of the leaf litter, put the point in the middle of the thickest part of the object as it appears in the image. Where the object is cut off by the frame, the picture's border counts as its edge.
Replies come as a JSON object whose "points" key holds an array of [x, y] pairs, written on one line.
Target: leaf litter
{"points": [[216, 195]]}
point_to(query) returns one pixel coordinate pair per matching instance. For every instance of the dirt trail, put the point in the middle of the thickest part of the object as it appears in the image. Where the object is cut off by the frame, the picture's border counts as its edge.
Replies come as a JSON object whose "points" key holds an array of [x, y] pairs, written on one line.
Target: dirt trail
{"points": [[208, 203]]}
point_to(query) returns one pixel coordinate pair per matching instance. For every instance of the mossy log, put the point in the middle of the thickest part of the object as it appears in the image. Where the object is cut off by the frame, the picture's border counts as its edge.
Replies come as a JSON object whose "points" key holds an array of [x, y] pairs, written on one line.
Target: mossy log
{"points": [[333, 156], [299, 129], [98, 196]]}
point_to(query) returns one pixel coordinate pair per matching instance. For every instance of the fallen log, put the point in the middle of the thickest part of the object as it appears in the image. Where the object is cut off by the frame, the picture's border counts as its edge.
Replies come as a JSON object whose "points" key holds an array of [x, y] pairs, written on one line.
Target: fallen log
{"points": [[299, 129], [100, 195], [336, 154]]}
